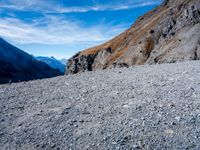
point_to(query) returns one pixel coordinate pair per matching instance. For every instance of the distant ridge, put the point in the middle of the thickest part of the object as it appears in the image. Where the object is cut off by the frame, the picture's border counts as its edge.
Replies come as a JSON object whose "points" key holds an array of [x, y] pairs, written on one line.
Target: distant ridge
{"points": [[53, 62], [16, 65]]}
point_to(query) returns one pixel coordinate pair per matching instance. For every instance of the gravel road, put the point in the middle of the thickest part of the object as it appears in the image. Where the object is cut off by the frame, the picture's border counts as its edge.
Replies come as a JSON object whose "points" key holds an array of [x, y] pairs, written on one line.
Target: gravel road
{"points": [[146, 107]]}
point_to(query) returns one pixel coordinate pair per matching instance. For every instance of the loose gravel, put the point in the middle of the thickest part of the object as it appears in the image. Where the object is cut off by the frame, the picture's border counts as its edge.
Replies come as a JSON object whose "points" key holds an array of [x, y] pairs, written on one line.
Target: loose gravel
{"points": [[146, 107]]}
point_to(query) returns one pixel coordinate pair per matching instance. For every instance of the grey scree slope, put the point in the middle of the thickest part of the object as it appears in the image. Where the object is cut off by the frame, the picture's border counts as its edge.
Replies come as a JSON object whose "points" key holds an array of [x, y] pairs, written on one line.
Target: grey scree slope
{"points": [[145, 107]]}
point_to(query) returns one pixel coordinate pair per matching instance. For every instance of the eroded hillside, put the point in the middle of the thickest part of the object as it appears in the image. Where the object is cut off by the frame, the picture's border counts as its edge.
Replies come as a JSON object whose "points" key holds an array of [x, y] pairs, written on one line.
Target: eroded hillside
{"points": [[169, 33]]}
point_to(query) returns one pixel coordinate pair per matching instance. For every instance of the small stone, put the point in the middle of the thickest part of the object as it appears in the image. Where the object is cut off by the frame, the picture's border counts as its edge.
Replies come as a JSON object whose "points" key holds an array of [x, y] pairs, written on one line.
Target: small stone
{"points": [[37, 145], [171, 105], [131, 124], [185, 72], [74, 120], [65, 110], [81, 121], [53, 145], [173, 123], [192, 120], [114, 143], [138, 107], [43, 145], [169, 131], [136, 146], [163, 85], [141, 144], [191, 88], [126, 138], [85, 92], [71, 123], [143, 124], [20, 124], [126, 106], [1, 133], [178, 118]]}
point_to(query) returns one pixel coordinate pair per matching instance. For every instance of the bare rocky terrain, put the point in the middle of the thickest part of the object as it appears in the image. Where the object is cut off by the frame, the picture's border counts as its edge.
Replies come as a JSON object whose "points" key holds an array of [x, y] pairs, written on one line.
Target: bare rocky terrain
{"points": [[144, 107]]}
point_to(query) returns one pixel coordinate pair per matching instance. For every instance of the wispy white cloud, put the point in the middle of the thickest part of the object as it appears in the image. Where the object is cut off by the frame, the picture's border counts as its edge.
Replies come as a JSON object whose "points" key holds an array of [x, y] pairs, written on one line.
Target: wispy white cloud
{"points": [[38, 5], [102, 7], [56, 31]]}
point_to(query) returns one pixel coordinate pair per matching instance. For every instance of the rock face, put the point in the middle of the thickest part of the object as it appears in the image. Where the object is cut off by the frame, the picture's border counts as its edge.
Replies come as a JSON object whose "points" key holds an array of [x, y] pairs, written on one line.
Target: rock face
{"points": [[16, 65], [169, 33]]}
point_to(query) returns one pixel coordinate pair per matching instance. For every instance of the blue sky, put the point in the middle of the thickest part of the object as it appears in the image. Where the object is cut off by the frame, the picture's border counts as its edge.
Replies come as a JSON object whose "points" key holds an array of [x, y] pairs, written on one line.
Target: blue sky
{"points": [[60, 28]]}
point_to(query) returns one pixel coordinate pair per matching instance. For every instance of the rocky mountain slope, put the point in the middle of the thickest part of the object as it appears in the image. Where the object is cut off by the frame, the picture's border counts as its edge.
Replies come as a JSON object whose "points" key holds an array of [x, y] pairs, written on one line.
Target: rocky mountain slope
{"points": [[149, 107], [53, 62], [16, 65], [169, 33]]}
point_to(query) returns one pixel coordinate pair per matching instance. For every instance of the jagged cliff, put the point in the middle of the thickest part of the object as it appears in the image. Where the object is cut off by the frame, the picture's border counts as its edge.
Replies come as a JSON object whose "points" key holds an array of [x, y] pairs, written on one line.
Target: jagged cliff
{"points": [[169, 33]]}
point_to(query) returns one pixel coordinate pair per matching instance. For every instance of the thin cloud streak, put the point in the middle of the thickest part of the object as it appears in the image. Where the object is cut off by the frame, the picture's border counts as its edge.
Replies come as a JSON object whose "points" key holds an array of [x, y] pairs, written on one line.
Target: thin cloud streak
{"points": [[57, 31], [51, 8], [102, 8], [52, 28]]}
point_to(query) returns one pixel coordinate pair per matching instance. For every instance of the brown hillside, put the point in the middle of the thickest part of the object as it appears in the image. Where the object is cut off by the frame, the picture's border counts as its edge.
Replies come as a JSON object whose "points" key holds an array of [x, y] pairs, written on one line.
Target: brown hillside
{"points": [[169, 33]]}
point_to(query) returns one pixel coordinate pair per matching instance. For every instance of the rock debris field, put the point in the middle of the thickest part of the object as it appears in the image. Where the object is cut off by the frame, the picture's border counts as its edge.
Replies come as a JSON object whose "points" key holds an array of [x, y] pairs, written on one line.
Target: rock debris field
{"points": [[144, 107]]}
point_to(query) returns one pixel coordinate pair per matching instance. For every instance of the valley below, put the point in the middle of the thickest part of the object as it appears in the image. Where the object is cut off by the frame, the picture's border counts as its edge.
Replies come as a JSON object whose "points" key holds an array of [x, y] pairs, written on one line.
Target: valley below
{"points": [[142, 107]]}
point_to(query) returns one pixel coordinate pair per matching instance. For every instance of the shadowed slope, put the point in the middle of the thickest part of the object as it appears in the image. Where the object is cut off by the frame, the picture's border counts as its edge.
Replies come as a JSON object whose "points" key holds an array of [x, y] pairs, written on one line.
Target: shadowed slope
{"points": [[16, 65]]}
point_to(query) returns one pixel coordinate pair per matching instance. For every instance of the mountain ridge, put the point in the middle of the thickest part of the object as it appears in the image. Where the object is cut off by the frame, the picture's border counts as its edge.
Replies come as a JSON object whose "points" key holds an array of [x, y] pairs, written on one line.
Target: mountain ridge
{"points": [[53, 62], [156, 37], [17, 65]]}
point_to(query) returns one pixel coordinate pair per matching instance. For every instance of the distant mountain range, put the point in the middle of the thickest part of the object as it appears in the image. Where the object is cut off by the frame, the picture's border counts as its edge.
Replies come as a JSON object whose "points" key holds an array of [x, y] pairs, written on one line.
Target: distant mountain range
{"points": [[53, 62], [64, 61], [16, 65]]}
